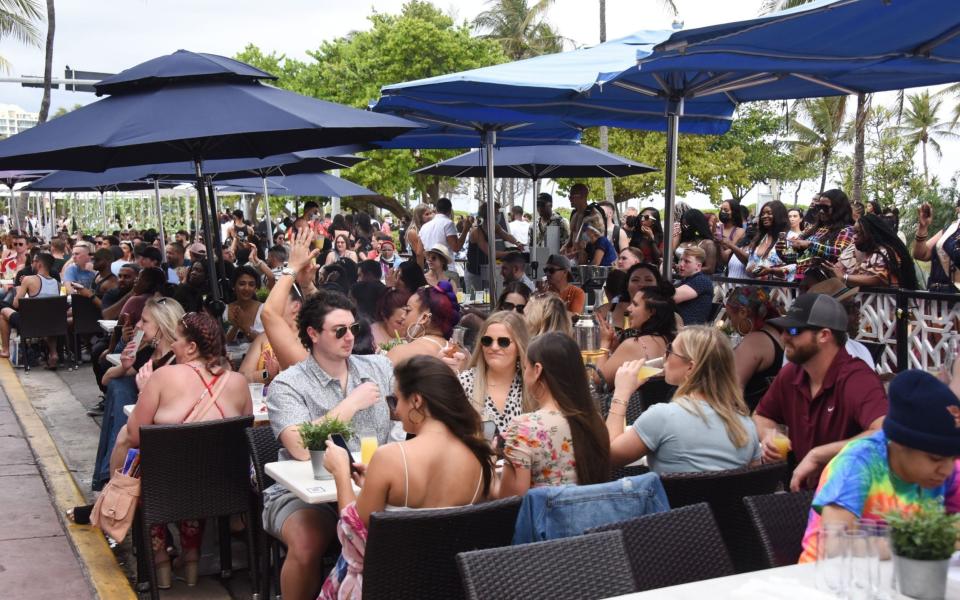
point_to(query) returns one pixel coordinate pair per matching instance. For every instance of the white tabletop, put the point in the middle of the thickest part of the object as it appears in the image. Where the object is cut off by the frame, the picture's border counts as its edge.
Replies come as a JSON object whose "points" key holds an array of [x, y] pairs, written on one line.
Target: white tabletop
{"points": [[107, 325], [297, 476], [259, 416], [797, 582], [114, 359]]}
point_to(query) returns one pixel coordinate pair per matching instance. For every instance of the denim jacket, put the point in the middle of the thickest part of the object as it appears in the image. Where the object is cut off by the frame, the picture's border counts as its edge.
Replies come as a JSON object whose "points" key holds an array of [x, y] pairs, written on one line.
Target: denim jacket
{"points": [[549, 513]]}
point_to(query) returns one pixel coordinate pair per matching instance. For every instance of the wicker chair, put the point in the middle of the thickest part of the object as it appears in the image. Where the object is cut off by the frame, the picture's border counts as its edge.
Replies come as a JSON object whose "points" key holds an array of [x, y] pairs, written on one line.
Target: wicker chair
{"points": [[412, 554], [724, 492], [574, 568], [264, 446], [674, 547], [780, 520], [628, 471], [194, 471]]}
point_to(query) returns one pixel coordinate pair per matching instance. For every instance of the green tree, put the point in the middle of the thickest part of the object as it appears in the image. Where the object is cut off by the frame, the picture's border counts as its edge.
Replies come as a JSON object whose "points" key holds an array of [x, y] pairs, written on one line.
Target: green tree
{"points": [[819, 130], [421, 41], [520, 29], [17, 20], [755, 131], [922, 125]]}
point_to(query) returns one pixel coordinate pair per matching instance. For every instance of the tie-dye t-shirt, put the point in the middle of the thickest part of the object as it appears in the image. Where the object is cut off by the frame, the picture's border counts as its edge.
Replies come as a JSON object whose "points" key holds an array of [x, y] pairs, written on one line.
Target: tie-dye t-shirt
{"points": [[859, 480]]}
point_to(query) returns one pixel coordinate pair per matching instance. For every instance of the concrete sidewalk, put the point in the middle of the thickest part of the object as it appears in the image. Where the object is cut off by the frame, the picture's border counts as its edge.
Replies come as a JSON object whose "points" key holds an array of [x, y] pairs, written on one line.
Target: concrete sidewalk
{"points": [[37, 559]]}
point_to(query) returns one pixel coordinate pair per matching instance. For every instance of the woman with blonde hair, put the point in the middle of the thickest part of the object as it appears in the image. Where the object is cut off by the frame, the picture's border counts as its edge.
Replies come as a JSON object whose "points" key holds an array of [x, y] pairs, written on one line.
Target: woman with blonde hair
{"points": [[493, 379], [705, 427], [421, 214], [546, 312]]}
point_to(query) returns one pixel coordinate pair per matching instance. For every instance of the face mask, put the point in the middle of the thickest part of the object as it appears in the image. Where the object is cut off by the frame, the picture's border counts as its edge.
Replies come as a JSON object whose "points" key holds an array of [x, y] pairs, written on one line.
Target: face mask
{"points": [[725, 217], [861, 246]]}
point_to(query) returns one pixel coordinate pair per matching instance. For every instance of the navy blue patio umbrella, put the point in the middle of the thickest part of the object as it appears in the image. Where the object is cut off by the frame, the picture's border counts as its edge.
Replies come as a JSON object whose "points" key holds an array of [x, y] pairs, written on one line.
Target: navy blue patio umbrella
{"points": [[195, 107], [304, 184], [537, 162]]}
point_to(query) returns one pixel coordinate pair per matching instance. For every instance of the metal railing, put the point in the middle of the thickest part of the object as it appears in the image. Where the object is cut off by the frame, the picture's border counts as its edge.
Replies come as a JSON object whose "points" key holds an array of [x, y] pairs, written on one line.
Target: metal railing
{"points": [[913, 328]]}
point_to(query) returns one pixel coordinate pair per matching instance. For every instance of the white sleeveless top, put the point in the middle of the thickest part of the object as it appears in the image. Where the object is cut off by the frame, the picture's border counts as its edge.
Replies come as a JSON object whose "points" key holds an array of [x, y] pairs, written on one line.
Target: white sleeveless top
{"points": [[48, 287]]}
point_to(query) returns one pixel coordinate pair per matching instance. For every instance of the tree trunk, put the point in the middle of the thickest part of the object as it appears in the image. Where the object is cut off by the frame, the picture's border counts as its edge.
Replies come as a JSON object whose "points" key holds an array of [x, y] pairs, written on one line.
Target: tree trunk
{"points": [[860, 125], [926, 179], [823, 174], [48, 63]]}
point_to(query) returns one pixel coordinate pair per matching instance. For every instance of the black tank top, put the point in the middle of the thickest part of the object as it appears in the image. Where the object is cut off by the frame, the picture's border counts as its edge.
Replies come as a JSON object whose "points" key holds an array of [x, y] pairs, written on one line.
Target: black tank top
{"points": [[758, 384]]}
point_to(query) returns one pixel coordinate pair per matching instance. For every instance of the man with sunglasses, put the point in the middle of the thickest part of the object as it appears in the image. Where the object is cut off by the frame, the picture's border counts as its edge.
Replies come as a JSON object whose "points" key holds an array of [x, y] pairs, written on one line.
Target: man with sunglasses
{"points": [[824, 396], [513, 269], [330, 382]]}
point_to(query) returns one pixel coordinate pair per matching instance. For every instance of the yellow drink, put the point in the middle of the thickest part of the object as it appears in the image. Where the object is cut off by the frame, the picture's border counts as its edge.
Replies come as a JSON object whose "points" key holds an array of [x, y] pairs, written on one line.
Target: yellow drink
{"points": [[368, 445], [648, 372], [460, 298], [590, 356], [782, 444]]}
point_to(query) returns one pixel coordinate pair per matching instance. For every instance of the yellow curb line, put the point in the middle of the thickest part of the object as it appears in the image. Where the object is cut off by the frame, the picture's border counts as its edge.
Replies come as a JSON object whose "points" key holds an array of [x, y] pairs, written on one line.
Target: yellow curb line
{"points": [[96, 558]]}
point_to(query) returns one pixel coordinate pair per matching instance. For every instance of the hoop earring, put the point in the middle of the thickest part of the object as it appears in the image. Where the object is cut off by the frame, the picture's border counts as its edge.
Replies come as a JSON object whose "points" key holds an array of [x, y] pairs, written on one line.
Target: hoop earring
{"points": [[419, 332], [417, 411], [740, 331]]}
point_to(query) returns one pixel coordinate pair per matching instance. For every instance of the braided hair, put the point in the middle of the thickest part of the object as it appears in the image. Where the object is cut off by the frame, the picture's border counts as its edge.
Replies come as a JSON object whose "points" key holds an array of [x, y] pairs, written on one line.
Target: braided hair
{"points": [[884, 240], [204, 331]]}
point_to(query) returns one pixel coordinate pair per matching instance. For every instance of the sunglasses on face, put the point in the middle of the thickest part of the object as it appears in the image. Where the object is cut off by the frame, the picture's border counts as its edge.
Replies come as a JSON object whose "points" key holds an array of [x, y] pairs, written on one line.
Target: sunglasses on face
{"points": [[823, 207], [795, 331], [671, 351], [503, 342], [511, 306], [550, 270], [341, 331]]}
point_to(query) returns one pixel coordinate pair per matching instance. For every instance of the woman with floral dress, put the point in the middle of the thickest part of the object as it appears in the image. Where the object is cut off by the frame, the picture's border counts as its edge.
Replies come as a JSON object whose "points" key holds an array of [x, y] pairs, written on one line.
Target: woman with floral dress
{"points": [[564, 441]]}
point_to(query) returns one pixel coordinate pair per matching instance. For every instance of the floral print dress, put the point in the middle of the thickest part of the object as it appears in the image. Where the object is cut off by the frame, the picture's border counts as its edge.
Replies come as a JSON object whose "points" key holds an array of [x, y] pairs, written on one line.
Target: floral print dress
{"points": [[541, 442]]}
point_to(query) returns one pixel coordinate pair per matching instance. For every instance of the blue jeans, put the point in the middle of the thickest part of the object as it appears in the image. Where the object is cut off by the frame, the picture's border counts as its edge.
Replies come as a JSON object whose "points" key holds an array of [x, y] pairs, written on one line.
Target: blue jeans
{"points": [[549, 513], [120, 392]]}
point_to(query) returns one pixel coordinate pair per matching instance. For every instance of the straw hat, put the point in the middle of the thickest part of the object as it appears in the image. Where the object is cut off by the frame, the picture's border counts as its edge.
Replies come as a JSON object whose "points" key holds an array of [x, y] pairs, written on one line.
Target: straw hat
{"points": [[442, 251]]}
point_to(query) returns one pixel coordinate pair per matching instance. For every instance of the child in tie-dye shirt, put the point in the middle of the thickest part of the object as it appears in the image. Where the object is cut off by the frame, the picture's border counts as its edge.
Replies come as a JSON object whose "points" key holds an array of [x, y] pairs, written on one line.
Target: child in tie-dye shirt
{"points": [[913, 458]]}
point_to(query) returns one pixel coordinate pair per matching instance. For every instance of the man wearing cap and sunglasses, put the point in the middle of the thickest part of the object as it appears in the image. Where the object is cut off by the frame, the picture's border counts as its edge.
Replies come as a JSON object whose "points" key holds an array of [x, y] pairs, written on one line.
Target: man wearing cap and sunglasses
{"points": [[824, 396], [330, 382]]}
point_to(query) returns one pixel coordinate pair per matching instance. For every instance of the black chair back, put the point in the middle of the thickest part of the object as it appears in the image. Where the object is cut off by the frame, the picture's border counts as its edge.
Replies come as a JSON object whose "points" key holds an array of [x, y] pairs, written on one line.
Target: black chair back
{"points": [[582, 567], [263, 446], [674, 547], [411, 554], [724, 492], [85, 315], [43, 317], [780, 520]]}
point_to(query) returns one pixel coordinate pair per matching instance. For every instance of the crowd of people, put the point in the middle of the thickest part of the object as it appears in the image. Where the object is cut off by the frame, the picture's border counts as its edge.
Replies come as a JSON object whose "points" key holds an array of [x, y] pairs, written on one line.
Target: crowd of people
{"points": [[345, 318]]}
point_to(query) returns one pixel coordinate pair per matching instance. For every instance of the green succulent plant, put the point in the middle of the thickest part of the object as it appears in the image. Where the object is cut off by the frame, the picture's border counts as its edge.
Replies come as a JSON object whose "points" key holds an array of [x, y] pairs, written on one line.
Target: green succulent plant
{"points": [[314, 436]]}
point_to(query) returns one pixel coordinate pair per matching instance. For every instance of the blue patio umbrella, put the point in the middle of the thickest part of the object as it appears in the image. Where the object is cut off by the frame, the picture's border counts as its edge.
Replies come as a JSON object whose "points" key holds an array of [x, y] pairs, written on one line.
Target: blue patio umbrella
{"points": [[537, 162], [304, 184], [196, 107]]}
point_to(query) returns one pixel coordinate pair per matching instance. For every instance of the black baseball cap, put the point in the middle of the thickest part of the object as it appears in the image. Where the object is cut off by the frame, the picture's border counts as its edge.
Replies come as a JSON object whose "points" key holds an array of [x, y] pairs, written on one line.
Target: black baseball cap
{"points": [[818, 311]]}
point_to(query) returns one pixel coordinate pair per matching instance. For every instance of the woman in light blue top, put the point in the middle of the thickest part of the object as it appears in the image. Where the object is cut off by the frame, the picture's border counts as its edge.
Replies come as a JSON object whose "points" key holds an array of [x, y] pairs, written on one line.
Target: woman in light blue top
{"points": [[705, 427]]}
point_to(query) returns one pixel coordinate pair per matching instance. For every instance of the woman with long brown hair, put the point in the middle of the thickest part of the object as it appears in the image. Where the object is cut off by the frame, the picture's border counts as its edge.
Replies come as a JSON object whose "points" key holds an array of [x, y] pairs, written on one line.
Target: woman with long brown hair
{"points": [[564, 440], [705, 427]]}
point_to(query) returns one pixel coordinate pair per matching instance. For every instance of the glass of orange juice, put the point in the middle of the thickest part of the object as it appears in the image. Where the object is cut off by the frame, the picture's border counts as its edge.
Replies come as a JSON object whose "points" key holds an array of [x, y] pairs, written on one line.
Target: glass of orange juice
{"points": [[781, 440], [368, 445]]}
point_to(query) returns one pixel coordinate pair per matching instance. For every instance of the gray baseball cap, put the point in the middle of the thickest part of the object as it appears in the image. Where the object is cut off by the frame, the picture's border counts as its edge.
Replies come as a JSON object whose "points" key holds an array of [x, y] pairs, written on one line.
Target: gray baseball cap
{"points": [[813, 310]]}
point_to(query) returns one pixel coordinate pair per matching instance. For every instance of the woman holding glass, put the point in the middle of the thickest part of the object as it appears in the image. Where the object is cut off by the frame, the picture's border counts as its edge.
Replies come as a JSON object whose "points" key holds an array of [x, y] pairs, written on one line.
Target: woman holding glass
{"points": [[760, 257], [705, 427], [639, 276], [493, 379]]}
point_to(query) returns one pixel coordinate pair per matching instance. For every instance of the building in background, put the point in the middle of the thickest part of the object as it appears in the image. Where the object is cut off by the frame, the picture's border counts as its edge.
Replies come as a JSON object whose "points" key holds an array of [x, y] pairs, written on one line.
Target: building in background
{"points": [[14, 119]]}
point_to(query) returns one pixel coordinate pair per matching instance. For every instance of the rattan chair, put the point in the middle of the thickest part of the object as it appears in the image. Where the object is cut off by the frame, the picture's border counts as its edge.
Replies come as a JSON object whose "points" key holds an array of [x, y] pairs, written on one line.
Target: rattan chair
{"points": [[575, 568], [264, 446], [780, 520], [724, 492], [194, 471], [628, 471], [411, 554], [674, 547], [41, 318], [85, 322]]}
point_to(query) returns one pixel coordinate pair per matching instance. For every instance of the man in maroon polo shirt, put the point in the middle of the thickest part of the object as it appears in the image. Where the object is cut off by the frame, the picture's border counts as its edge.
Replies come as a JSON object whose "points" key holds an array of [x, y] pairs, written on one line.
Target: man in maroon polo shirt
{"points": [[823, 395]]}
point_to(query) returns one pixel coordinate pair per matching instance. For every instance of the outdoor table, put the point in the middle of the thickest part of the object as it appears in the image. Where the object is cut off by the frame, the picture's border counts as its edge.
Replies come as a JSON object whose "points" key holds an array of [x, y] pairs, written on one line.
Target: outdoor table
{"points": [[107, 325], [6, 281], [794, 581], [236, 352], [297, 476], [114, 359]]}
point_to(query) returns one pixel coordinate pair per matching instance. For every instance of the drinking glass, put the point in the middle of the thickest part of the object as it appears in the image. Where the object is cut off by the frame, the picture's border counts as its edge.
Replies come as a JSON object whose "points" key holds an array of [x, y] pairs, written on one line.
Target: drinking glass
{"points": [[860, 567], [781, 439], [831, 555], [368, 445], [883, 572]]}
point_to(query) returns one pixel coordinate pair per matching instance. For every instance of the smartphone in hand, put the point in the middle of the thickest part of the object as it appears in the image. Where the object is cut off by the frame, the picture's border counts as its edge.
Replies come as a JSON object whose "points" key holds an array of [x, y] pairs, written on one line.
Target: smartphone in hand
{"points": [[337, 439], [490, 430]]}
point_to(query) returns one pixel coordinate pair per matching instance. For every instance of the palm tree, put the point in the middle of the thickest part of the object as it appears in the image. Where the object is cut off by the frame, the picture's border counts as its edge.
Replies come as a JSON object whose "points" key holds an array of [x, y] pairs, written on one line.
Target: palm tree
{"points": [[47, 63], [921, 125], [17, 21], [821, 130], [522, 30]]}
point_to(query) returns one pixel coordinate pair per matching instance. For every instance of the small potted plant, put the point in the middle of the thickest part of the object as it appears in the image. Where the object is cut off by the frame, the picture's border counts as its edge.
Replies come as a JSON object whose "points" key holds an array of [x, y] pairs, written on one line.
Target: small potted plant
{"points": [[923, 541], [314, 436]]}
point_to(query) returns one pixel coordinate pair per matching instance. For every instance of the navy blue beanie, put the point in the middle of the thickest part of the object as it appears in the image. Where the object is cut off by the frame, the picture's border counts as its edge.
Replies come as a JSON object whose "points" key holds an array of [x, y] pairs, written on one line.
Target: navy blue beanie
{"points": [[924, 414]]}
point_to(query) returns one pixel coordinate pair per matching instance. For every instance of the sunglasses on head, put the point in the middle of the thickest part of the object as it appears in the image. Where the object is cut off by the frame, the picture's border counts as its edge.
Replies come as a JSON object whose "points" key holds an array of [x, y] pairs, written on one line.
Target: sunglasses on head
{"points": [[503, 342], [511, 306], [341, 331], [391, 402]]}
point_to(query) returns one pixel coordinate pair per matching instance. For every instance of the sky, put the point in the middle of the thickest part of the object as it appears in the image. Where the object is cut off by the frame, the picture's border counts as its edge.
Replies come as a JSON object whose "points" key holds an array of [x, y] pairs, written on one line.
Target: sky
{"points": [[109, 35]]}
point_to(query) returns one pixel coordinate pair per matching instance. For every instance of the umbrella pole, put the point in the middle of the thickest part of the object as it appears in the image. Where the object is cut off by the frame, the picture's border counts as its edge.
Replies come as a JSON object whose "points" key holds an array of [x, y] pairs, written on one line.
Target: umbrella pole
{"points": [[266, 212], [215, 232], [533, 222], [670, 189], [490, 138], [207, 238], [156, 192], [103, 211]]}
